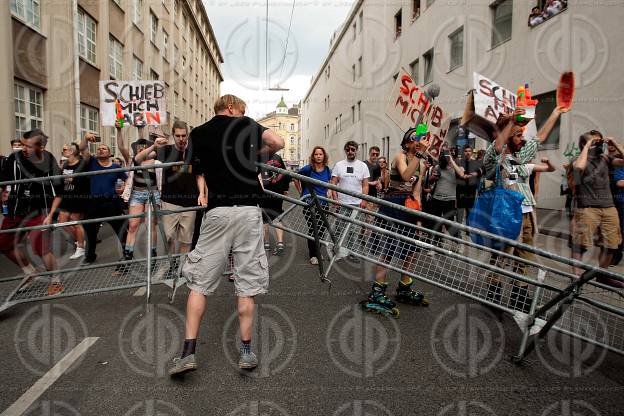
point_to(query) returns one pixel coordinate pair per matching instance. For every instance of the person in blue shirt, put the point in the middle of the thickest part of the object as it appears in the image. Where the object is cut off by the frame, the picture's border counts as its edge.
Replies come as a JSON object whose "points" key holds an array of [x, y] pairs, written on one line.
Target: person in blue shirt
{"points": [[317, 169], [105, 200]]}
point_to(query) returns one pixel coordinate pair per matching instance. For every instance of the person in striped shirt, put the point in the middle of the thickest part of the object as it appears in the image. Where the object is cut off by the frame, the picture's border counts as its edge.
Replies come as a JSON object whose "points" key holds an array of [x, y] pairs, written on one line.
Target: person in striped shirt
{"points": [[515, 153]]}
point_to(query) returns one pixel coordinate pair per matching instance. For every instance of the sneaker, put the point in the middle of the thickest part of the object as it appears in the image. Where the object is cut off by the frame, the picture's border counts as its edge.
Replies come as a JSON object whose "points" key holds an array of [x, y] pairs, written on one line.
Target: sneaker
{"points": [[430, 253], [314, 260], [279, 249], [267, 246], [183, 365], [248, 361], [80, 251], [55, 288]]}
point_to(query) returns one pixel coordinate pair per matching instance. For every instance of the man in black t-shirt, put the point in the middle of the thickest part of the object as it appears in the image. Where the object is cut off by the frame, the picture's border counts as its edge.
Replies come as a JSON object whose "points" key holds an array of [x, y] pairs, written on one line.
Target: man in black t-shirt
{"points": [[225, 152], [179, 189]]}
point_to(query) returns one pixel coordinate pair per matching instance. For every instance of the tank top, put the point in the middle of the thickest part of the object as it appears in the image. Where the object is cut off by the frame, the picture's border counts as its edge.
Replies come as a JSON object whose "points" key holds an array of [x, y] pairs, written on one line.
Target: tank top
{"points": [[397, 184]]}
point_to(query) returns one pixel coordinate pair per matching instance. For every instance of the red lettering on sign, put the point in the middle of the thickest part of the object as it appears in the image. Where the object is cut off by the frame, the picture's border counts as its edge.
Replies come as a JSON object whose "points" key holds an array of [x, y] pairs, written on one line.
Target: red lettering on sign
{"points": [[402, 102], [486, 88], [436, 118], [406, 81], [152, 117]]}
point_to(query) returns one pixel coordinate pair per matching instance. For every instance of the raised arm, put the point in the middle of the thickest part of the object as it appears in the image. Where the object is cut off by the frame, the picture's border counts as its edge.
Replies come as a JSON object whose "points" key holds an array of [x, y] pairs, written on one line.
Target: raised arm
{"points": [[581, 162], [271, 142], [545, 166], [547, 127], [83, 146], [121, 145], [406, 170], [619, 161], [459, 171]]}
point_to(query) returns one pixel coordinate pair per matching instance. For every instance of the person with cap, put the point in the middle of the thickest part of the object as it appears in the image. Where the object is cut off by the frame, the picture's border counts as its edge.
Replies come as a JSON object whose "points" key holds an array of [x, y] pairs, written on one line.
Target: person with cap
{"points": [[405, 188]]}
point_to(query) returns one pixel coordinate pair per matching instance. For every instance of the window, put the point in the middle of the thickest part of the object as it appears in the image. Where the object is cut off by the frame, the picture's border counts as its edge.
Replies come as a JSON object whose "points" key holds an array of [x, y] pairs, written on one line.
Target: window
{"points": [[359, 110], [175, 12], [176, 56], [398, 22], [361, 20], [89, 120], [292, 127], [176, 99], [112, 140], [292, 140], [354, 30], [340, 123], [28, 108], [165, 45], [86, 37], [115, 58], [428, 58], [501, 21], [153, 28], [336, 129], [364, 150], [137, 68], [415, 9], [353, 71], [137, 6], [353, 113], [27, 10], [154, 75], [457, 48], [414, 71], [359, 68], [547, 103]]}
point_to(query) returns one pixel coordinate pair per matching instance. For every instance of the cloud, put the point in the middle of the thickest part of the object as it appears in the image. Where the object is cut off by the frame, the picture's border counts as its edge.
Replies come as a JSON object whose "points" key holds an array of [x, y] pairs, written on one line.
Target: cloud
{"points": [[240, 28]]}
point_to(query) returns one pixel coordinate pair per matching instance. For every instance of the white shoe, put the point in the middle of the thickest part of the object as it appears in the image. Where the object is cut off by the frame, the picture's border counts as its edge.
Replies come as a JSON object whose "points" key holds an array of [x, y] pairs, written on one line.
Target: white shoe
{"points": [[313, 260], [431, 253], [80, 251]]}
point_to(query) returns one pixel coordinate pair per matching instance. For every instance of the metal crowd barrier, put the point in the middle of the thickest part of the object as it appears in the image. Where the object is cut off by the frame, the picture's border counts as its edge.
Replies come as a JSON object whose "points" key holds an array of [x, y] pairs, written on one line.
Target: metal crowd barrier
{"points": [[97, 278], [558, 299]]}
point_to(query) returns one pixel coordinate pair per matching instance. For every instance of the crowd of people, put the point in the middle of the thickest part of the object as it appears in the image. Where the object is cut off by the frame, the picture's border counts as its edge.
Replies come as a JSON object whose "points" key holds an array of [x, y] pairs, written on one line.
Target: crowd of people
{"points": [[220, 174], [539, 14]]}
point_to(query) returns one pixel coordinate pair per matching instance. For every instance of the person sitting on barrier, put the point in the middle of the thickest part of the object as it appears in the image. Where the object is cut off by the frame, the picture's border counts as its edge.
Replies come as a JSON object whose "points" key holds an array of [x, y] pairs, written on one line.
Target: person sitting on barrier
{"points": [[76, 192], [514, 153], [592, 196], [351, 174], [272, 205], [104, 200], [138, 185], [406, 176], [316, 169], [31, 204], [225, 152]]}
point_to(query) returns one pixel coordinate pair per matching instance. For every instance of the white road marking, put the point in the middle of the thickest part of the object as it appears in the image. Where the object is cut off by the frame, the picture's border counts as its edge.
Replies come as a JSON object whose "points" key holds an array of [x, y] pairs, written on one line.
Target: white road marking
{"points": [[32, 394]]}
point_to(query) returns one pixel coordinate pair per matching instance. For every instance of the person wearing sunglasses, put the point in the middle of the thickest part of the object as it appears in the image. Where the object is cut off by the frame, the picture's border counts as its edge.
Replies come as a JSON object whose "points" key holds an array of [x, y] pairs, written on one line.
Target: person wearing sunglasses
{"points": [[404, 182]]}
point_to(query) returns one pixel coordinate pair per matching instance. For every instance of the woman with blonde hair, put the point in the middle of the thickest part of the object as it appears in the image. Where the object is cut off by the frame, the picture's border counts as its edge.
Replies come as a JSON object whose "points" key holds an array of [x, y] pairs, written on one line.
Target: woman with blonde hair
{"points": [[317, 169]]}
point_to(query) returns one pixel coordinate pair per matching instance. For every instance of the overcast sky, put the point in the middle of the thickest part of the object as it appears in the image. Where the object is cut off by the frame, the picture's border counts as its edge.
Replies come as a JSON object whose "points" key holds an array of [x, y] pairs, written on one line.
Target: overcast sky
{"points": [[240, 27]]}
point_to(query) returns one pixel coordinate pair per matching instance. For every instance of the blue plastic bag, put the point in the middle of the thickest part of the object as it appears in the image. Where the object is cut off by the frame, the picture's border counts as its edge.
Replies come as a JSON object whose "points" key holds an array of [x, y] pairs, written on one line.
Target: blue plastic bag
{"points": [[497, 211]]}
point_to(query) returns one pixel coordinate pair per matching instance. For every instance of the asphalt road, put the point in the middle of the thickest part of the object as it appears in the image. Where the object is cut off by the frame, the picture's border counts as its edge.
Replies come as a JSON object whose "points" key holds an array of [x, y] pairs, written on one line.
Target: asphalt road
{"points": [[319, 355]]}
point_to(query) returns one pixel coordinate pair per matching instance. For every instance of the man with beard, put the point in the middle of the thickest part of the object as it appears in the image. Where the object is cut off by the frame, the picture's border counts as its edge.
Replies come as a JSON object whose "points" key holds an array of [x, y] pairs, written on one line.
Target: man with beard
{"points": [[31, 204]]}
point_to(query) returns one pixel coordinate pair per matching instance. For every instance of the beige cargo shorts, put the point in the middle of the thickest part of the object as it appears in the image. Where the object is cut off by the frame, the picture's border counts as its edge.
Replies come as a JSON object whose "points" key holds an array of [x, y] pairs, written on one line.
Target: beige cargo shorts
{"points": [[238, 228]]}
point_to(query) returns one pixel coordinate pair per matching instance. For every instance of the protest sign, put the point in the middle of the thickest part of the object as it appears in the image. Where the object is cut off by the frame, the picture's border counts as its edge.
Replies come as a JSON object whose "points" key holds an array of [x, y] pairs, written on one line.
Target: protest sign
{"points": [[137, 102], [409, 105], [485, 103]]}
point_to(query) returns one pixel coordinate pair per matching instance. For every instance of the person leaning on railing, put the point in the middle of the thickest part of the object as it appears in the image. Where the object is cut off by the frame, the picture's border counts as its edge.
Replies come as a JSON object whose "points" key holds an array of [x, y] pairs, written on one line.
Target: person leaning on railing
{"points": [[31, 204]]}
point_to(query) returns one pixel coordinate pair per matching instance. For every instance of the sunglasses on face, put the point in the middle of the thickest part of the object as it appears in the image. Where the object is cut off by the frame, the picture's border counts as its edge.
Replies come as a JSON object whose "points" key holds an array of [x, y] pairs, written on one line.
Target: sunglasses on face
{"points": [[351, 150], [374, 154]]}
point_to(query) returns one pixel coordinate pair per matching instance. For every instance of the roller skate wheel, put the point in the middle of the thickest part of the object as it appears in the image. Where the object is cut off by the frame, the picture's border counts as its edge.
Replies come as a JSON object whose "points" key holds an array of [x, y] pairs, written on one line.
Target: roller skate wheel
{"points": [[395, 313]]}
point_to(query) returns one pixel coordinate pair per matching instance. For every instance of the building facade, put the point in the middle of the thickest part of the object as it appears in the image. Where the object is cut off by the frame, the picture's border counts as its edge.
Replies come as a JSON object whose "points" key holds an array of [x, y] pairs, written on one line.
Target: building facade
{"points": [[286, 122], [445, 43], [57, 51]]}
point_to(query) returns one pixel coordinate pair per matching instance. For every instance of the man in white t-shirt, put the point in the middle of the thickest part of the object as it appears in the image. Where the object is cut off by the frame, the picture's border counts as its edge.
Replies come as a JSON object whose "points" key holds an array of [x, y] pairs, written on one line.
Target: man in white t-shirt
{"points": [[351, 174]]}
